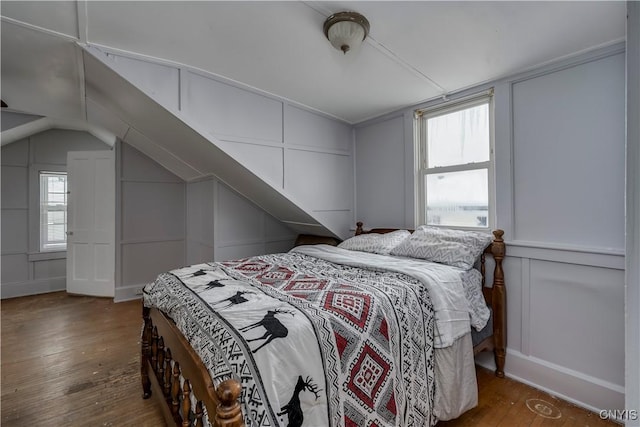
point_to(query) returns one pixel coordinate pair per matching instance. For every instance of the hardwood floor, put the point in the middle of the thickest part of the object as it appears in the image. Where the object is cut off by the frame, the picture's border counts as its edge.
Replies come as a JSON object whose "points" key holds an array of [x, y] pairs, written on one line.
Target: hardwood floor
{"points": [[74, 361]]}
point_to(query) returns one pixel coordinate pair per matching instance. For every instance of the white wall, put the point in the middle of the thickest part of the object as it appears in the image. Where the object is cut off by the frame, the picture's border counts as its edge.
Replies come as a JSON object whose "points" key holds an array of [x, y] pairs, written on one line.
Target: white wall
{"points": [[560, 199], [165, 223], [26, 271], [305, 155], [150, 221], [222, 225]]}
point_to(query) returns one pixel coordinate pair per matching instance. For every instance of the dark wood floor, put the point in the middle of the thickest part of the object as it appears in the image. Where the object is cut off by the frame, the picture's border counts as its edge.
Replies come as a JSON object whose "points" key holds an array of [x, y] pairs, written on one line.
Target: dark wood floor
{"points": [[74, 361]]}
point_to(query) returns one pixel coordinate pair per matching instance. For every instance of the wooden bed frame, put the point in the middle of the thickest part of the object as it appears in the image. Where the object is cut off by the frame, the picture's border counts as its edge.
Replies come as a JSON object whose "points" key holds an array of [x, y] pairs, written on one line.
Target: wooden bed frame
{"points": [[162, 343]]}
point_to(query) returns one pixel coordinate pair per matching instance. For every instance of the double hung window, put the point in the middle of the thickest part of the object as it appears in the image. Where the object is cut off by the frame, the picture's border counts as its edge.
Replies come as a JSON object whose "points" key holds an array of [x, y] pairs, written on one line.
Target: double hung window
{"points": [[53, 211], [455, 168]]}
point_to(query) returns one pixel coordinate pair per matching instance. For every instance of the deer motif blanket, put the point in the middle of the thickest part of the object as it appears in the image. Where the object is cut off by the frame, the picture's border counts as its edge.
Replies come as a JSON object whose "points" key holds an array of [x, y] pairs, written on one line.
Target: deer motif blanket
{"points": [[313, 343]]}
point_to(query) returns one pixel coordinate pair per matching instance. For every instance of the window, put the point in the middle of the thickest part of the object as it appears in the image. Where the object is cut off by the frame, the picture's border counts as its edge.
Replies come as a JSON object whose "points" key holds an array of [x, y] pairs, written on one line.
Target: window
{"points": [[455, 172], [53, 211]]}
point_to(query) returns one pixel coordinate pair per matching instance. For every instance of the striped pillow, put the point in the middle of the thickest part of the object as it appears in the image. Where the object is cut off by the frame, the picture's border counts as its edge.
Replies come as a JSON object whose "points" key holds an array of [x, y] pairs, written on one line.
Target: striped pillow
{"points": [[456, 248]]}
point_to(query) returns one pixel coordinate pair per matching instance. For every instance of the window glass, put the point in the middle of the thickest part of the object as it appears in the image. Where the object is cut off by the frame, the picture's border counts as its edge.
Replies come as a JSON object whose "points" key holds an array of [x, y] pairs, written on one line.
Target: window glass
{"points": [[53, 211], [458, 198], [459, 137]]}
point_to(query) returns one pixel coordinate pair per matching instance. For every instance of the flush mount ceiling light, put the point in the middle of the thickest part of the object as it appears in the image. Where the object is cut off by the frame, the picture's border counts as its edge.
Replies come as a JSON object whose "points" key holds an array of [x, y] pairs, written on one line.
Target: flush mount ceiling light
{"points": [[346, 30]]}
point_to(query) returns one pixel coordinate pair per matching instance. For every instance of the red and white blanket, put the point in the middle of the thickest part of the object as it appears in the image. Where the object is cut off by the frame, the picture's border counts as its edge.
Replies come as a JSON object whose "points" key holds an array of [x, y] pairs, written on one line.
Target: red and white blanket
{"points": [[313, 343]]}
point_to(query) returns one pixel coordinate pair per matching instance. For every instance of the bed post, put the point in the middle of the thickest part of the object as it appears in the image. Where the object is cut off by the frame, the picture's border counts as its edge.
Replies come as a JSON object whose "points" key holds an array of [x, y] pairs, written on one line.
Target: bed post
{"points": [[499, 303], [229, 413], [144, 353]]}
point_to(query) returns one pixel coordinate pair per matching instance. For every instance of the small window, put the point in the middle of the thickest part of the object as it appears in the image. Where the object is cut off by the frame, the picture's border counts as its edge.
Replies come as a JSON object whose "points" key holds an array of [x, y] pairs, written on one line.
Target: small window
{"points": [[455, 185], [53, 211]]}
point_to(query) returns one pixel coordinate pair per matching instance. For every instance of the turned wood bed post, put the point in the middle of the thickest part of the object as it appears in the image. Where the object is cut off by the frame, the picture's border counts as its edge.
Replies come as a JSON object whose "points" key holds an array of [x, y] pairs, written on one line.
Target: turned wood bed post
{"points": [[499, 303], [229, 413], [144, 353]]}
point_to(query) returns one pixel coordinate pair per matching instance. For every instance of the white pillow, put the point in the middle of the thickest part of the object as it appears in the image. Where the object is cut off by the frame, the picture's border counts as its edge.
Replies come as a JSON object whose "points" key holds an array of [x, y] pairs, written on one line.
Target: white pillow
{"points": [[375, 243], [456, 248]]}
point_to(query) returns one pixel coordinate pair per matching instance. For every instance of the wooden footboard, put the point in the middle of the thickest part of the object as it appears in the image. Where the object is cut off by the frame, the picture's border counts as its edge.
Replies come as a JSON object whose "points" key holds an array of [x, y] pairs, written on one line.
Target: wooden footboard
{"points": [[163, 343], [495, 296]]}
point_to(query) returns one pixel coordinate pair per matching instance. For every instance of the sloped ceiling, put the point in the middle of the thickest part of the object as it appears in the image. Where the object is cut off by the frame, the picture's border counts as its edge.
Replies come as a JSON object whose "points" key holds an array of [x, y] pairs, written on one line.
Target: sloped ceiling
{"points": [[416, 51]]}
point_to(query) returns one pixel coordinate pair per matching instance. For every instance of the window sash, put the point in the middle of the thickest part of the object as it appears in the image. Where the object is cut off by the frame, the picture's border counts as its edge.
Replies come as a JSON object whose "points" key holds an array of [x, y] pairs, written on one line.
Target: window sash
{"points": [[53, 234], [422, 169]]}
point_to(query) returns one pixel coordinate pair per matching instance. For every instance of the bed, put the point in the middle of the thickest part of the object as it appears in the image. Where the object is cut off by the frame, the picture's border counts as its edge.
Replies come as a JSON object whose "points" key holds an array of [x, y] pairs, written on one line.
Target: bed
{"points": [[324, 335]]}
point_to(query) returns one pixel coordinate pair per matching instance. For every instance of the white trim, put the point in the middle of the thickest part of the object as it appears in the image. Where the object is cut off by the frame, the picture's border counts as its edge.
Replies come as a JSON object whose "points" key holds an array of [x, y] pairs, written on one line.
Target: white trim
{"points": [[45, 256], [583, 390], [33, 287], [103, 49], [37, 28], [596, 257], [525, 307], [422, 169], [36, 126], [144, 241], [128, 293]]}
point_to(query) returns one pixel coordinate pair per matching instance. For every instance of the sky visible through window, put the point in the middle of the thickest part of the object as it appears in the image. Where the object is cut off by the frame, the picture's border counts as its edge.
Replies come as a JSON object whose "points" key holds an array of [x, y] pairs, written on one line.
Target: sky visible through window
{"points": [[458, 198]]}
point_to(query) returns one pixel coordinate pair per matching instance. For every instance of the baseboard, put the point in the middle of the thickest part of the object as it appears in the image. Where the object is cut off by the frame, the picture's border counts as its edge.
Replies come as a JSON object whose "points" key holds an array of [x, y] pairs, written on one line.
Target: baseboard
{"points": [[128, 293], [576, 387], [32, 287]]}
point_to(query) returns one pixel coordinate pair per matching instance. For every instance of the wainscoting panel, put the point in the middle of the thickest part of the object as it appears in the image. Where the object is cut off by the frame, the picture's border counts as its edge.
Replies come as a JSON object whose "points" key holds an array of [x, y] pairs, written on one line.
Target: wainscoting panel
{"points": [[238, 220], [14, 187], [14, 231], [321, 181], [568, 155], [380, 174], [153, 209], [577, 319], [45, 269], [263, 160], [565, 327], [303, 127], [229, 112], [142, 262], [15, 268]]}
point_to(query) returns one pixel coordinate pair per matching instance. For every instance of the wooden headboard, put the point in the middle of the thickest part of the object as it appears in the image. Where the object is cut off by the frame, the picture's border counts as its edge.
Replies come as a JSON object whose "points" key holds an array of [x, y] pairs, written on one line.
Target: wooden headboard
{"points": [[495, 295]]}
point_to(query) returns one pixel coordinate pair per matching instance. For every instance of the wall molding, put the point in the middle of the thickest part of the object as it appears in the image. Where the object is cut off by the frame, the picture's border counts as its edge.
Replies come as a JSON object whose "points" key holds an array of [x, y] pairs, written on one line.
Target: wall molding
{"points": [[128, 293], [33, 287], [595, 257], [583, 390]]}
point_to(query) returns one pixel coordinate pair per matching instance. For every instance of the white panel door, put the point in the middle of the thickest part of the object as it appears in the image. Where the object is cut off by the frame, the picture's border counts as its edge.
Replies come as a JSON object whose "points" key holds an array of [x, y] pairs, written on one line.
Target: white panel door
{"points": [[91, 223]]}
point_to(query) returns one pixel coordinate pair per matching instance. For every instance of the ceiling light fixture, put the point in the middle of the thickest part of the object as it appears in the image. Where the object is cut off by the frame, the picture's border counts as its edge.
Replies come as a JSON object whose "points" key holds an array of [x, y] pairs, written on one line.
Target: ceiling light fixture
{"points": [[346, 30]]}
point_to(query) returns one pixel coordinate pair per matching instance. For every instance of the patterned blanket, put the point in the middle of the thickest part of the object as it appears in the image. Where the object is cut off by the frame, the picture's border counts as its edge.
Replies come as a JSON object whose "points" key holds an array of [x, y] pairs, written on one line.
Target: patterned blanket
{"points": [[313, 343]]}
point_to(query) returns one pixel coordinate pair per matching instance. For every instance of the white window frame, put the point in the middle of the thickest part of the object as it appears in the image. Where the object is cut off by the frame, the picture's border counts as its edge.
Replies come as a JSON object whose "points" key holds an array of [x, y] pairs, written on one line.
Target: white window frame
{"points": [[421, 152], [45, 245]]}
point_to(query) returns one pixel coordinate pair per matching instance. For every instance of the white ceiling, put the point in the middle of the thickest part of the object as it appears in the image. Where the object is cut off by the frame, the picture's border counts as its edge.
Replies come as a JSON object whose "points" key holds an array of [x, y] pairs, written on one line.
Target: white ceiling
{"points": [[416, 51]]}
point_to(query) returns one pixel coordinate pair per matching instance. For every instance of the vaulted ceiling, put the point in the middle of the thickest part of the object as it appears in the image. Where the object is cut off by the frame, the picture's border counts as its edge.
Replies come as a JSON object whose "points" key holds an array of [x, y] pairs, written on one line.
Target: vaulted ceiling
{"points": [[416, 51]]}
